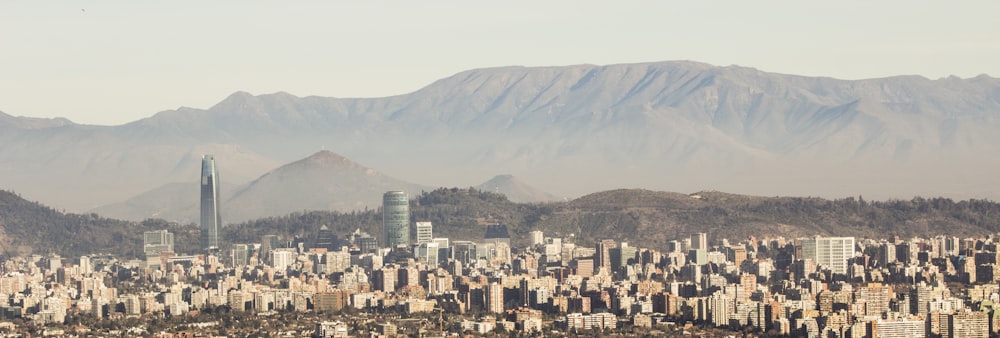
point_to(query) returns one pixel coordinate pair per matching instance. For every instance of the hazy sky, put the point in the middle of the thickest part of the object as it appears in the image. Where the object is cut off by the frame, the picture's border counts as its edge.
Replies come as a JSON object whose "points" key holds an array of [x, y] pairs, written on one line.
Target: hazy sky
{"points": [[111, 62]]}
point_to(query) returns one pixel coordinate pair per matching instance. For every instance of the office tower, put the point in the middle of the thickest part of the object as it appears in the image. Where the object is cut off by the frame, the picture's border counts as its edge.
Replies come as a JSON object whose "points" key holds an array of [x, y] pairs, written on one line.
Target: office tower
{"points": [[85, 267], [154, 242], [604, 253], [424, 232], [886, 254], [240, 255], [828, 252], [367, 244], [211, 220], [699, 241], [396, 219], [326, 239], [282, 259], [465, 252], [428, 253], [267, 244], [537, 238], [497, 233]]}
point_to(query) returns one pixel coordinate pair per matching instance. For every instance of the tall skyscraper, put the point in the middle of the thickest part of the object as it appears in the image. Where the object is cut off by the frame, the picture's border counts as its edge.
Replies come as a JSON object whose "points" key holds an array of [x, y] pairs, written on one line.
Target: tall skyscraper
{"points": [[396, 218], [211, 220]]}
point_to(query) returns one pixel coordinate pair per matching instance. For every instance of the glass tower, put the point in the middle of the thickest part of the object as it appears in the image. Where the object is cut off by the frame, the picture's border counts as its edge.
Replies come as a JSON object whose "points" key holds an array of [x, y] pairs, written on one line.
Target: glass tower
{"points": [[396, 218], [211, 221]]}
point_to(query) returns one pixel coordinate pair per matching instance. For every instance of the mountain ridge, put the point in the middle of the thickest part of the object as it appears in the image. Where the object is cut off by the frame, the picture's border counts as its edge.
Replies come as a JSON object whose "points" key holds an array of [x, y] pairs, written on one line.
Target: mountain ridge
{"points": [[635, 125]]}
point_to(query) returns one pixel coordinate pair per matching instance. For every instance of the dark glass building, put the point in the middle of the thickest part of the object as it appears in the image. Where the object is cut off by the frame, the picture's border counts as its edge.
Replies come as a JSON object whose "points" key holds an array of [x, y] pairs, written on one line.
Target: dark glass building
{"points": [[497, 233], [211, 221], [326, 239]]}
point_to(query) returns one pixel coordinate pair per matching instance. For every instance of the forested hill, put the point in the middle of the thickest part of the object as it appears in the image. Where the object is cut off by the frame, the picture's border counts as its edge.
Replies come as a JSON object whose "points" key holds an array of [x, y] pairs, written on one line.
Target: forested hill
{"points": [[641, 217], [651, 218], [29, 227]]}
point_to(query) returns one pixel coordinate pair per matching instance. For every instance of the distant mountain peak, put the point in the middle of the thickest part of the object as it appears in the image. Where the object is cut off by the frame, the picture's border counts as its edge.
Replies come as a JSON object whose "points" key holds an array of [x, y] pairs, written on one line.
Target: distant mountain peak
{"points": [[502, 178], [235, 100], [328, 158], [515, 189], [323, 181]]}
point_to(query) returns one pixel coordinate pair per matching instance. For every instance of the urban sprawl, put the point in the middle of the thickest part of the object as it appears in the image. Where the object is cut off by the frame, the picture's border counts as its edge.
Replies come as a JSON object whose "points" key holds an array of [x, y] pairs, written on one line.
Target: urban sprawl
{"points": [[417, 283]]}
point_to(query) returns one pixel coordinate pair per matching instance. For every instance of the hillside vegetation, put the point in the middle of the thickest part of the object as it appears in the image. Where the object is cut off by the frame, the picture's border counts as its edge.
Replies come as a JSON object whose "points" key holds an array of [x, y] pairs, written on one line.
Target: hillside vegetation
{"points": [[31, 228], [642, 217], [651, 218]]}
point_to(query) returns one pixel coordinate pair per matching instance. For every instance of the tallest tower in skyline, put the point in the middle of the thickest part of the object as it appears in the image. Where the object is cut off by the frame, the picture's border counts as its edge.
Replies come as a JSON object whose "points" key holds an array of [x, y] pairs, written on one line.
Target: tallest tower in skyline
{"points": [[211, 221]]}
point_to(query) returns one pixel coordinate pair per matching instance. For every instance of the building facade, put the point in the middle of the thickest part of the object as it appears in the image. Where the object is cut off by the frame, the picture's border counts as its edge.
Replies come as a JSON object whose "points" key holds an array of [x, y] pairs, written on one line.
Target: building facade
{"points": [[828, 252], [423, 232]]}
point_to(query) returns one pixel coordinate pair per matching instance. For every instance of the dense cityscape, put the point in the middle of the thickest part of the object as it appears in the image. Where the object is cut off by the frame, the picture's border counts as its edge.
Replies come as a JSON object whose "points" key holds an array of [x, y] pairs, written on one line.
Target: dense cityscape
{"points": [[416, 282]]}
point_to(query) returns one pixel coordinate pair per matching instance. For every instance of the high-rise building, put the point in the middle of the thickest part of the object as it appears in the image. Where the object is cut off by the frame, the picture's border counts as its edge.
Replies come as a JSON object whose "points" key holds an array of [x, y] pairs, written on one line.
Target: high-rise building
{"points": [[699, 241], [604, 253], [423, 232], [154, 242], [494, 298], [497, 233], [267, 244], [465, 252], [281, 259], [326, 239], [396, 219], [623, 255], [211, 220], [428, 253], [828, 252], [537, 237], [240, 255]]}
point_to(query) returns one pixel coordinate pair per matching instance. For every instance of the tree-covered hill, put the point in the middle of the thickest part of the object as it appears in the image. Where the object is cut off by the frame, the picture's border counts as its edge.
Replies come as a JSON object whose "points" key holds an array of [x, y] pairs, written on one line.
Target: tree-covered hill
{"points": [[642, 217], [29, 227], [652, 218]]}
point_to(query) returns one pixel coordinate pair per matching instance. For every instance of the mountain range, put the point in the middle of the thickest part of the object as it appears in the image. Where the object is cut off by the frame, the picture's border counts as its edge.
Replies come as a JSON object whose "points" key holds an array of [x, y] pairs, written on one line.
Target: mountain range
{"points": [[678, 126]]}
